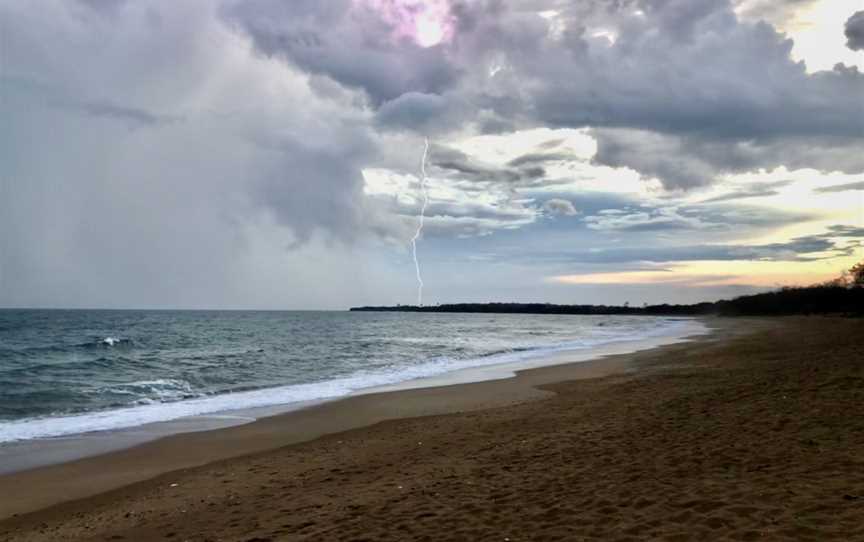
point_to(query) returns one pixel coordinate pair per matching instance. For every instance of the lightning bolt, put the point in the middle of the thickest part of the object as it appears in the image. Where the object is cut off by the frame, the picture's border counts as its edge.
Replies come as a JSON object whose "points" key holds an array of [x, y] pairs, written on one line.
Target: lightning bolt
{"points": [[419, 231]]}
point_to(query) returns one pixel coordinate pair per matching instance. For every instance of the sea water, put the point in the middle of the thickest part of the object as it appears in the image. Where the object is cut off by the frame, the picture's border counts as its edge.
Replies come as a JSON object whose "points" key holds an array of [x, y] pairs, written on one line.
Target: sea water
{"points": [[67, 372]]}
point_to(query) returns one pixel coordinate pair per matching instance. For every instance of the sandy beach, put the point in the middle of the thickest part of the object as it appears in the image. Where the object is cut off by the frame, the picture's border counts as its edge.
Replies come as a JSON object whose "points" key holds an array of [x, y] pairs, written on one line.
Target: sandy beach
{"points": [[751, 433]]}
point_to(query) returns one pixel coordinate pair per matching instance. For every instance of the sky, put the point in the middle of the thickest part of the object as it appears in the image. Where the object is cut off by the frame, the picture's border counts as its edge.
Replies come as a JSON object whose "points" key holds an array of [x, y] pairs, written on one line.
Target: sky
{"points": [[268, 154]]}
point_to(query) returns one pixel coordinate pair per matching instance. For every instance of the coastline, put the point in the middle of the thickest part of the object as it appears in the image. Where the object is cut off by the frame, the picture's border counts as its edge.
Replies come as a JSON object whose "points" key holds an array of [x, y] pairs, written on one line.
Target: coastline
{"points": [[751, 433], [39, 452], [86, 468]]}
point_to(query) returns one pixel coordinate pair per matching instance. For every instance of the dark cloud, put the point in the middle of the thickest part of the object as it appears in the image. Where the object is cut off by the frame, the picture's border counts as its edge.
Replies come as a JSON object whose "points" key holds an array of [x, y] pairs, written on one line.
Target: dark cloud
{"points": [[841, 187], [18, 89], [310, 188], [260, 162], [255, 120], [425, 113], [457, 164], [754, 190], [127, 114], [657, 105], [686, 162], [346, 42], [854, 31], [448, 219], [540, 158], [651, 96], [108, 6], [842, 230], [799, 249], [558, 206], [551, 144]]}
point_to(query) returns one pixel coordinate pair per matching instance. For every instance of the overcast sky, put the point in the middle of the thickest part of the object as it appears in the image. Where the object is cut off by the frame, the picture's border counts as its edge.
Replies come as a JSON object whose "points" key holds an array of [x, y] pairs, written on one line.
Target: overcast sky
{"points": [[267, 153]]}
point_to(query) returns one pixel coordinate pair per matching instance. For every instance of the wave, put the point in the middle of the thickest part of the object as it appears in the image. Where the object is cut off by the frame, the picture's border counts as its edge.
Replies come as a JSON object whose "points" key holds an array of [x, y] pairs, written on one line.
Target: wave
{"points": [[107, 342], [170, 399], [515, 349], [151, 391]]}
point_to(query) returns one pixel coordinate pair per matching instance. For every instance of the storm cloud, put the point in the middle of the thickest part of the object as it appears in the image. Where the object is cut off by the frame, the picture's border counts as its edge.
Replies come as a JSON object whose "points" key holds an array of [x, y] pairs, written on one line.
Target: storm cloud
{"points": [[855, 31], [175, 153], [651, 94], [347, 42]]}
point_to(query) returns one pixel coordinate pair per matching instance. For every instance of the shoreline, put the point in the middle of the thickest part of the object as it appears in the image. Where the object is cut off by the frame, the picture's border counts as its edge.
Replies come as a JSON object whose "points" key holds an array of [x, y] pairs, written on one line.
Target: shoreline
{"points": [[136, 460], [28, 454], [752, 433]]}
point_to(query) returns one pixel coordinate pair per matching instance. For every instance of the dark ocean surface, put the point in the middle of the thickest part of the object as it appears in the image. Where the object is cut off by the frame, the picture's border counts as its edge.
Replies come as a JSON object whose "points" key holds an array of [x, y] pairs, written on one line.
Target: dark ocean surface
{"points": [[72, 371]]}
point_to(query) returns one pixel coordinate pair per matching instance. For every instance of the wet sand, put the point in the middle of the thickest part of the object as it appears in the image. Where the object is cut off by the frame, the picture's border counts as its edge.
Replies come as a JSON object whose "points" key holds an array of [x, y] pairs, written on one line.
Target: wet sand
{"points": [[753, 433]]}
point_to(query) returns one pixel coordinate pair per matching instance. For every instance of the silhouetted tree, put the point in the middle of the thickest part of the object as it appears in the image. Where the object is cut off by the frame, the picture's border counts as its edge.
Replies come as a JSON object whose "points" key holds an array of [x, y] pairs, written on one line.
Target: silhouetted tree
{"points": [[856, 274], [853, 278], [843, 295]]}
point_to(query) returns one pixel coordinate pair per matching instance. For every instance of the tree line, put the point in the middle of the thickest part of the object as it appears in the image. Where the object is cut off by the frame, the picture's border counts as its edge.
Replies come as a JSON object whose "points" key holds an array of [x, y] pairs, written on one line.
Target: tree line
{"points": [[843, 295]]}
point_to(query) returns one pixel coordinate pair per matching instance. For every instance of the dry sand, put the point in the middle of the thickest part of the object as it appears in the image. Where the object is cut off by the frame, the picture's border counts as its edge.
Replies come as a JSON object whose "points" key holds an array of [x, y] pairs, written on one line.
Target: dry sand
{"points": [[755, 433]]}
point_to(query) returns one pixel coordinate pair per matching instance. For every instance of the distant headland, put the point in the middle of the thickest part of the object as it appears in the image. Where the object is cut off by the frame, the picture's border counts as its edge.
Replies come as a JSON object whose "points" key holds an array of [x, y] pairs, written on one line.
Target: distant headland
{"points": [[844, 295]]}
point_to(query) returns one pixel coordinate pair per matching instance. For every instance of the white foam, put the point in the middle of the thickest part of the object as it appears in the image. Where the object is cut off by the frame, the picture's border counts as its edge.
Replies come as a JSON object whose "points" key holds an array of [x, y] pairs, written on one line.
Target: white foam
{"points": [[475, 369]]}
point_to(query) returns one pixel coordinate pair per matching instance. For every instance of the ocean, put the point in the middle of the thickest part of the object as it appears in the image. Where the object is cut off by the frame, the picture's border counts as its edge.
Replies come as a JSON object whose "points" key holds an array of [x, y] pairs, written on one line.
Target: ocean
{"points": [[67, 372]]}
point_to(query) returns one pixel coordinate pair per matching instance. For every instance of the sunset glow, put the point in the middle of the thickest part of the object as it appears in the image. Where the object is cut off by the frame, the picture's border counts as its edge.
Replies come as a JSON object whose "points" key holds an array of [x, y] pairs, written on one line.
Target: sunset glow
{"points": [[427, 23], [429, 31]]}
